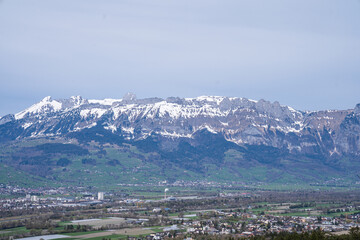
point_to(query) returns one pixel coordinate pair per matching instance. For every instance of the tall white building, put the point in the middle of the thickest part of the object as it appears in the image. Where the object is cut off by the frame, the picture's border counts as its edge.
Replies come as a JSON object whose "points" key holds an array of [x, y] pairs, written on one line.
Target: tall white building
{"points": [[100, 196]]}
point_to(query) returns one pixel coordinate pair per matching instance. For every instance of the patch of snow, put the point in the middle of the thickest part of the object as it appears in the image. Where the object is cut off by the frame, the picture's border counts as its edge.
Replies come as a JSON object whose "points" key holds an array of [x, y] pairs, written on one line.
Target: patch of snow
{"points": [[251, 100], [288, 129], [292, 109], [233, 131], [300, 123], [210, 129], [291, 129], [111, 127], [87, 126], [129, 129], [106, 101], [261, 126], [97, 112], [234, 140], [224, 124], [174, 134], [325, 117], [26, 125]]}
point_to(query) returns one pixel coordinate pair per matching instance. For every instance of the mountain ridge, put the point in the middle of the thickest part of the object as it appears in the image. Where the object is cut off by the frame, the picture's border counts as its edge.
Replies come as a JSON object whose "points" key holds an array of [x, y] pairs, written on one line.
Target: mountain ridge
{"points": [[207, 137], [239, 120]]}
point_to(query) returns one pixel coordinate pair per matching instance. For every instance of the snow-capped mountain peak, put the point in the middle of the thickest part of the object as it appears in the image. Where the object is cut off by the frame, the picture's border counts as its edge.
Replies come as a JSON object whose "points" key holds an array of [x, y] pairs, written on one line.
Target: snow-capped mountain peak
{"points": [[45, 106]]}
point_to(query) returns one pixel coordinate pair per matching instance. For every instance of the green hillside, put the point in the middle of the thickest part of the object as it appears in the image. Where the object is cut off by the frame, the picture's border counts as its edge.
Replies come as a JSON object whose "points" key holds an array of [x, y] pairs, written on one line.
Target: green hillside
{"points": [[68, 162]]}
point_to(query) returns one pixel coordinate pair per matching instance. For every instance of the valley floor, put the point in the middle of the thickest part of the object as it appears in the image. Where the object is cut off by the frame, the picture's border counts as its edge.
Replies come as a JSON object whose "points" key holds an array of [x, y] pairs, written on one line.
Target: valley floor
{"points": [[183, 214]]}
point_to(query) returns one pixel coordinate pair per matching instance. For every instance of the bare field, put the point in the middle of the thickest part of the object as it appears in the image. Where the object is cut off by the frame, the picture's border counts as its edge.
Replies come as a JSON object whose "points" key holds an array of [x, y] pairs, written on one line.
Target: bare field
{"points": [[125, 231], [98, 222]]}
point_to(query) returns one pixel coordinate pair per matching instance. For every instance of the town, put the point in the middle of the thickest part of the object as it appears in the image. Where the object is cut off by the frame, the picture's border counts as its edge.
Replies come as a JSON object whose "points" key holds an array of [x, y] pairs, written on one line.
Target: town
{"points": [[54, 213]]}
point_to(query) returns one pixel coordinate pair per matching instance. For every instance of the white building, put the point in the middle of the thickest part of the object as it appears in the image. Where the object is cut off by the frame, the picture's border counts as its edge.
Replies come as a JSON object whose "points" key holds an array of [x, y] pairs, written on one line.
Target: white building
{"points": [[34, 198], [156, 210], [100, 196]]}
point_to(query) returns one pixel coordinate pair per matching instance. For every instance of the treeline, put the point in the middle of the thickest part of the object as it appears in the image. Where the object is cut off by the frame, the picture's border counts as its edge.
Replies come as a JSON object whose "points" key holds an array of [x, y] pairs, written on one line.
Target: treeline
{"points": [[54, 212], [59, 148], [344, 197], [303, 205]]}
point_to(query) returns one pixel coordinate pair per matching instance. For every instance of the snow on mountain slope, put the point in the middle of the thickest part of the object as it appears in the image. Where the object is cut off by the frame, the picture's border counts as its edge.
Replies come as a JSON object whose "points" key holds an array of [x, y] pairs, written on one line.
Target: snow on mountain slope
{"points": [[47, 105], [239, 120]]}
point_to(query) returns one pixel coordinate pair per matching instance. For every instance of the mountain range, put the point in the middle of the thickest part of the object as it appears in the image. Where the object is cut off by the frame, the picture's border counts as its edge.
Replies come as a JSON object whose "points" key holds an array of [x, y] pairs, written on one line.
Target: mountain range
{"points": [[205, 138]]}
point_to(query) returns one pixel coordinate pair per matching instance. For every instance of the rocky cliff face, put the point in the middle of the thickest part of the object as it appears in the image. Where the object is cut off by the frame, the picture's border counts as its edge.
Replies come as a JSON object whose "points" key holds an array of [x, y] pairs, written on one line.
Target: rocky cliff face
{"points": [[238, 120]]}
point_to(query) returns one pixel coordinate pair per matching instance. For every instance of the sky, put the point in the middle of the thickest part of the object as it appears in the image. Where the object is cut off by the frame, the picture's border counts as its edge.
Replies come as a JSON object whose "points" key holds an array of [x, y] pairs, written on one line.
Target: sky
{"points": [[302, 53]]}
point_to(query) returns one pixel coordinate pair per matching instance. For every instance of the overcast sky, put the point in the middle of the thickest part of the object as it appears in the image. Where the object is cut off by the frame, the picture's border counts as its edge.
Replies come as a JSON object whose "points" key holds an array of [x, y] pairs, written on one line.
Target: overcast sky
{"points": [[302, 53]]}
